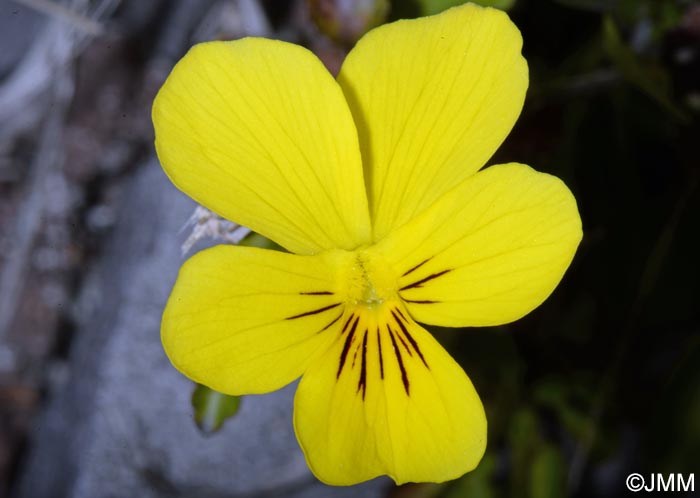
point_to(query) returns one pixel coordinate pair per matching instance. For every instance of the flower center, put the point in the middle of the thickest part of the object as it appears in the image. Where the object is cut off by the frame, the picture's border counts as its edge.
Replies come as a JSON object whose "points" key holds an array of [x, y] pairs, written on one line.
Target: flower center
{"points": [[371, 280]]}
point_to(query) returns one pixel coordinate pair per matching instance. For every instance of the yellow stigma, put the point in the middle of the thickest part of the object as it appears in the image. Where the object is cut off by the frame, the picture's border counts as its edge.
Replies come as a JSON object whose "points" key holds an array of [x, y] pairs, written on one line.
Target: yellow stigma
{"points": [[370, 279]]}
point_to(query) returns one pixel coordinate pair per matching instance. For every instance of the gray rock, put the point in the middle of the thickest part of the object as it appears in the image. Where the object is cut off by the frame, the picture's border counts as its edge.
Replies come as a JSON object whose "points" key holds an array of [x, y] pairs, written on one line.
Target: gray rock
{"points": [[121, 423], [19, 26]]}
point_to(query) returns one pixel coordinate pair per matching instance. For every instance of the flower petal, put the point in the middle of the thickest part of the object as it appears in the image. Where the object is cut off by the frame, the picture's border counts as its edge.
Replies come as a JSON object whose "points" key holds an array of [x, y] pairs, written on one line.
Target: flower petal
{"points": [[259, 132], [386, 398], [433, 98], [243, 320], [489, 251]]}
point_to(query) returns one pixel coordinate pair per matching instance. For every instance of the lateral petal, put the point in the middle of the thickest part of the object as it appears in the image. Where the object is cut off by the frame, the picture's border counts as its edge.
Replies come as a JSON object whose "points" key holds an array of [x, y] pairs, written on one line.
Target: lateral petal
{"points": [[386, 398], [259, 132], [243, 320], [489, 251], [433, 98]]}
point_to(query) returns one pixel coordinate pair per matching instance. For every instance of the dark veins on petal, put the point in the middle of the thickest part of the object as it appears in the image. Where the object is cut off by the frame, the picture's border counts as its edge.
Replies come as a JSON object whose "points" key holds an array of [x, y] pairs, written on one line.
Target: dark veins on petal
{"points": [[313, 312], [348, 343], [399, 359], [409, 337], [331, 323], [402, 343], [381, 359], [419, 283], [416, 267], [362, 383]]}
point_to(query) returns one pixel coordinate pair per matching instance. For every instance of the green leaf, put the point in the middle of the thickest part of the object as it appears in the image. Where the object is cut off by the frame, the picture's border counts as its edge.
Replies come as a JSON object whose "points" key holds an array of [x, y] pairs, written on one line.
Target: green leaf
{"points": [[430, 7], [547, 474], [212, 409], [524, 437], [649, 78], [477, 483], [569, 399], [254, 239]]}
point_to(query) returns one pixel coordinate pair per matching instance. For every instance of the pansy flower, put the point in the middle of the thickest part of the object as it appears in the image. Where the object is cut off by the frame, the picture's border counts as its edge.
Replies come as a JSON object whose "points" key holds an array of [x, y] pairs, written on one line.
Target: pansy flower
{"points": [[371, 181]]}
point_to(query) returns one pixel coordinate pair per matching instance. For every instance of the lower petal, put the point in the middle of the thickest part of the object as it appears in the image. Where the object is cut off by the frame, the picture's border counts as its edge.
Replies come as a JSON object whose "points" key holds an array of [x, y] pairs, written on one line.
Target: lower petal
{"points": [[243, 320], [386, 398]]}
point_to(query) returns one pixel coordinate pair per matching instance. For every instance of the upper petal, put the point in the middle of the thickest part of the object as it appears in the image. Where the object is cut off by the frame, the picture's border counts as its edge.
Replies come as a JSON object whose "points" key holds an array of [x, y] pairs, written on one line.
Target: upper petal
{"points": [[386, 398], [489, 251], [433, 98], [243, 320], [259, 132]]}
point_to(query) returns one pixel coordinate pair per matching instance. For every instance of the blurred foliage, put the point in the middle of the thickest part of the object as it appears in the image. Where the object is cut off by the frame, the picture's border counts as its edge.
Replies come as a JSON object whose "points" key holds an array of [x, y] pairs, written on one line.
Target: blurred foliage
{"points": [[651, 78], [345, 21], [416, 8], [211, 409], [430, 7]]}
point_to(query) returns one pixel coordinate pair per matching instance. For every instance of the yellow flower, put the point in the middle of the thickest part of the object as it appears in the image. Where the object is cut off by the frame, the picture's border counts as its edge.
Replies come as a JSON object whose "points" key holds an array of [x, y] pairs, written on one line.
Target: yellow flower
{"points": [[371, 182]]}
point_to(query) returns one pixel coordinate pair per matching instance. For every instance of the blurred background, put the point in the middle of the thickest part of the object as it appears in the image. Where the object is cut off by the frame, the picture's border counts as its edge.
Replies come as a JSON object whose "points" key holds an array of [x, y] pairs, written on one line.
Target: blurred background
{"points": [[602, 380]]}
